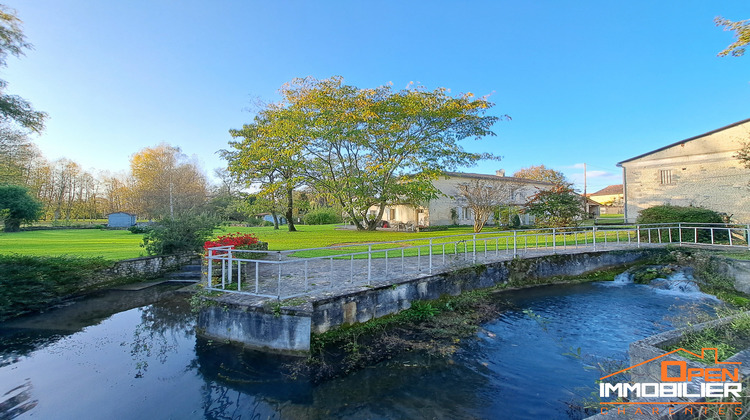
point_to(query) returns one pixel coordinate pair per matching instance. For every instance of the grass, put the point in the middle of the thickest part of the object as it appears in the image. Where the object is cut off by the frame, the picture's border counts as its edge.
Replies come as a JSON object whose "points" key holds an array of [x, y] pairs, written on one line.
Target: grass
{"points": [[727, 339], [121, 244], [108, 244], [327, 235]]}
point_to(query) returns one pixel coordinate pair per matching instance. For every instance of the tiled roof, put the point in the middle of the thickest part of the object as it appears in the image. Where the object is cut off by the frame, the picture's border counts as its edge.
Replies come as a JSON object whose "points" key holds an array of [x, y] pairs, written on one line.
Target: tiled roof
{"points": [[610, 190], [685, 141], [494, 177]]}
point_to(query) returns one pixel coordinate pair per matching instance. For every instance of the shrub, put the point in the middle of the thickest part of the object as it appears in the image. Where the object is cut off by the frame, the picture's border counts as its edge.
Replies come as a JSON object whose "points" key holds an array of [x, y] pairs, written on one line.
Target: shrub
{"points": [[183, 233], [32, 283], [17, 206], [678, 214], [515, 221], [322, 216], [238, 240], [140, 229]]}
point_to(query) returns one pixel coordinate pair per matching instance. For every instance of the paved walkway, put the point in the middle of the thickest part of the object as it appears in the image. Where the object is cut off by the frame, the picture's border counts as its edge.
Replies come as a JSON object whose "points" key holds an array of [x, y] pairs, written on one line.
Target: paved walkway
{"points": [[327, 276]]}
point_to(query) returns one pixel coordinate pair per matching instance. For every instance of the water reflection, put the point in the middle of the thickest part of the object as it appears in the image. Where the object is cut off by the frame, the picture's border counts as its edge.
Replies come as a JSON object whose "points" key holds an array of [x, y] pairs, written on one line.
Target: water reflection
{"points": [[21, 336], [16, 401], [146, 362]]}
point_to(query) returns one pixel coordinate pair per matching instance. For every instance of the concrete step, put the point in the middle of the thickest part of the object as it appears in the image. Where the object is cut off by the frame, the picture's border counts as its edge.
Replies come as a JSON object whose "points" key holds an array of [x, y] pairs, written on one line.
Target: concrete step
{"points": [[183, 275], [191, 267]]}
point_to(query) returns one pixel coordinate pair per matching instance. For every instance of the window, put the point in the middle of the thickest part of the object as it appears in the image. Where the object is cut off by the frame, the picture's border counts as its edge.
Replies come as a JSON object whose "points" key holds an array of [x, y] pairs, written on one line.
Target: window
{"points": [[393, 214], [665, 176], [467, 213]]}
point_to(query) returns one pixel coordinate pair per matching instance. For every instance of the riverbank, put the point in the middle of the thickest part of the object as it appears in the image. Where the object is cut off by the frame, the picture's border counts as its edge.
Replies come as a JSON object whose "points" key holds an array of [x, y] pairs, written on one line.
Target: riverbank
{"points": [[36, 283]]}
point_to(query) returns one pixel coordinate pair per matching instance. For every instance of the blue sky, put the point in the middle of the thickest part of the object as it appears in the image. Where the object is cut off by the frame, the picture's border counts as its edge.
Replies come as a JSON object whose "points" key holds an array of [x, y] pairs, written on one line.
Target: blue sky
{"points": [[583, 81]]}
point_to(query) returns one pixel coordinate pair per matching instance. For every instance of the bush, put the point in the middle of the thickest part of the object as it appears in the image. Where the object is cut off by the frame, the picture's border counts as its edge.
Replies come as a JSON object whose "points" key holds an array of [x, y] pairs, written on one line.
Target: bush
{"points": [[515, 221], [322, 216], [140, 229], [184, 233], [31, 283], [239, 241], [678, 214]]}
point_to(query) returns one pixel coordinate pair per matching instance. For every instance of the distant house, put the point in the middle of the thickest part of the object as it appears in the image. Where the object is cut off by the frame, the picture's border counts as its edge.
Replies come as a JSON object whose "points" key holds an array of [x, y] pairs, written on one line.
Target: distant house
{"points": [[268, 217], [610, 198], [451, 208], [120, 219], [699, 171]]}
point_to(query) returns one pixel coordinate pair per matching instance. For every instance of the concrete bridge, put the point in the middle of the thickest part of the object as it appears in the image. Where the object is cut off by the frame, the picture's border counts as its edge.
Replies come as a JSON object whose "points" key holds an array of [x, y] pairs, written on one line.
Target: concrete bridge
{"points": [[275, 300]]}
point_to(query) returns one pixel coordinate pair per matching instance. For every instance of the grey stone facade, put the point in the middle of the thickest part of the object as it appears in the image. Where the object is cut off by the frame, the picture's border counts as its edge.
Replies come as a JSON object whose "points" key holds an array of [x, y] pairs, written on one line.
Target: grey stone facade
{"points": [[700, 171]]}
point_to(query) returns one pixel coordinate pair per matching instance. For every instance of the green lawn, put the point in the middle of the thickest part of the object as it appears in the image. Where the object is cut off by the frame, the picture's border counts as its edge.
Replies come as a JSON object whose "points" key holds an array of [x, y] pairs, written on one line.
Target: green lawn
{"points": [[121, 244], [110, 244]]}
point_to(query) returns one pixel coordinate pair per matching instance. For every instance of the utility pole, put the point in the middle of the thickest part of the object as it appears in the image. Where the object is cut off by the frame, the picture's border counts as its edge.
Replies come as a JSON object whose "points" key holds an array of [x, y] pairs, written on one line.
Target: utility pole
{"points": [[585, 198]]}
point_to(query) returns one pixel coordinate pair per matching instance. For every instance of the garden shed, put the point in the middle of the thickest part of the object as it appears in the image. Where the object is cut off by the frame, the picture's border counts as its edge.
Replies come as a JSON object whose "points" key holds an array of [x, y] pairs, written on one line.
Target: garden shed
{"points": [[120, 219]]}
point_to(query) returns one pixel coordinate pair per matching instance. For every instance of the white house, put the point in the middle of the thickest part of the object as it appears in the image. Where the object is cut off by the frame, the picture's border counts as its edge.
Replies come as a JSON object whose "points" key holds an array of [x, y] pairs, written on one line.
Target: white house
{"points": [[439, 211]]}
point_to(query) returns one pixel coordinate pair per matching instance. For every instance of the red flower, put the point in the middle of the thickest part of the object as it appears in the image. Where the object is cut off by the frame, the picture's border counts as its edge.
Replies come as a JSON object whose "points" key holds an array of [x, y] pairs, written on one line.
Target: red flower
{"points": [[236, 240]]}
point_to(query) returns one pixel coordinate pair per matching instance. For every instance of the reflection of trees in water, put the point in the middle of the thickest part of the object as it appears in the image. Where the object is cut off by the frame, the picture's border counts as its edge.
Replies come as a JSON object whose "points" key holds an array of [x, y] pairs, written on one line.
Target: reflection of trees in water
{"points": [[222, 403], [162, 326], [17, 401]]}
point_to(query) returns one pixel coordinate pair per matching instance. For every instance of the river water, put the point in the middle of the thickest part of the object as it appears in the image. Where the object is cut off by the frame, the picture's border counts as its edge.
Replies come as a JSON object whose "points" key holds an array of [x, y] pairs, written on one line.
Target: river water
{"points": [[134, 355]]}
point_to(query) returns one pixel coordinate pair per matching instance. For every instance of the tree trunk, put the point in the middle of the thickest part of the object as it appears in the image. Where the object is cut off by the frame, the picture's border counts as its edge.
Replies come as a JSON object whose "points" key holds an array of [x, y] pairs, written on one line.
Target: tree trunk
{"points": [[12, 225], [275, 220], [289, 210]]}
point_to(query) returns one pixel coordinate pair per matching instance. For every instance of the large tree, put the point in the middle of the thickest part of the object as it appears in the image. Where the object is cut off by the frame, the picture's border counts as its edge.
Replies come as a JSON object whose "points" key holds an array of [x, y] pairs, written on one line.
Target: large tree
{"points": [[13, 108], [557, 207], [484, 197], [269, 153], [16, 155], [17, 206], [165, 182], [375, 147], [542, 173], [741, 30]]}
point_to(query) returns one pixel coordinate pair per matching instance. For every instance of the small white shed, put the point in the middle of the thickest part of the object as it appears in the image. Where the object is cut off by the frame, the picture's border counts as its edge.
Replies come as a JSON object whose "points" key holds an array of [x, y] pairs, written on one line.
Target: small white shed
{"points": [[120, 219]]}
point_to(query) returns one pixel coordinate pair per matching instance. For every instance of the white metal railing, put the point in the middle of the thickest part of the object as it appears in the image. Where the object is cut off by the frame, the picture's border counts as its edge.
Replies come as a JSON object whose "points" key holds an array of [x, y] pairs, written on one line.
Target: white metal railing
{"points": [[288, 274]]}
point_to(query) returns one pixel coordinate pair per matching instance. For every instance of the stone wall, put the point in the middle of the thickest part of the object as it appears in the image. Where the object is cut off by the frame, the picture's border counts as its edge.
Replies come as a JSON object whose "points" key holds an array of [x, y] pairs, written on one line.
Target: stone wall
{"points": [[368, 303], [701, 172], [272, 326], [143, 268]]}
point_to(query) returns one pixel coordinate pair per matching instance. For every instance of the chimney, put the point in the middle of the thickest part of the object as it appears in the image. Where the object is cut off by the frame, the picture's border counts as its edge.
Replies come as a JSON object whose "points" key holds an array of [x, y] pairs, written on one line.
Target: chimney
{"points": [[500, 172]]}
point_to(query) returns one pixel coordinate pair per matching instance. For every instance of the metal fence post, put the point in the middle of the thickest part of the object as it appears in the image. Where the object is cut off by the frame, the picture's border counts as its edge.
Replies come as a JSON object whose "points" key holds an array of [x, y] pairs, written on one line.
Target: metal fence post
{"points": [[638, 234], [430, 256], [747, 236], [229, 276], [514, 243], [729, 232], [554, 243], [278, 284], [369, 263], [210, 268], [593, 233], [679, 231]]}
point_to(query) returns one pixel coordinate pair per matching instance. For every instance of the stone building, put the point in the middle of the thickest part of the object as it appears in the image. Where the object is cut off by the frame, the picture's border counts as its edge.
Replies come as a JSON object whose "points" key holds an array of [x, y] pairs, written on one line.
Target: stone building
{"points": [[701, 171], [441, 211]]}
